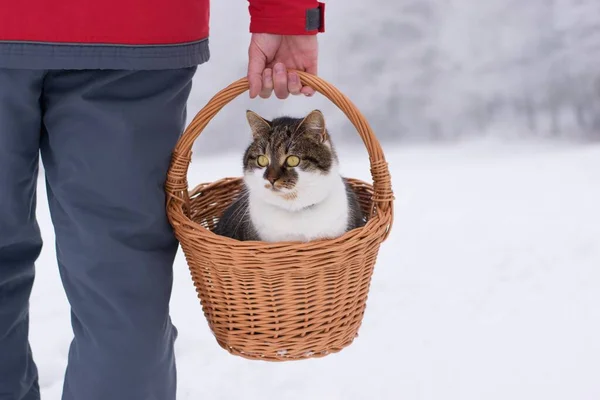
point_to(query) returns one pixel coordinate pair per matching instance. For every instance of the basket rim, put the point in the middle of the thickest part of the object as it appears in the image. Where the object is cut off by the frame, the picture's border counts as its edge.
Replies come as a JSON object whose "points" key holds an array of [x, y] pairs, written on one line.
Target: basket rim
{"points": [[377, 221], [177, 188]]}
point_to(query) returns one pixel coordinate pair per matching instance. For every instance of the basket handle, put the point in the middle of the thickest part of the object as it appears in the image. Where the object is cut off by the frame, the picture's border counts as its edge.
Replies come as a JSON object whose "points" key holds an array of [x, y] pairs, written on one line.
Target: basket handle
{"points": [[177, 186]]}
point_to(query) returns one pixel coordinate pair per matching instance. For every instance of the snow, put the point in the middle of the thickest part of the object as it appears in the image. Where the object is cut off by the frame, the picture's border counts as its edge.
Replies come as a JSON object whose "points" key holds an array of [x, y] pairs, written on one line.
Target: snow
{"points": [[487, 288]]}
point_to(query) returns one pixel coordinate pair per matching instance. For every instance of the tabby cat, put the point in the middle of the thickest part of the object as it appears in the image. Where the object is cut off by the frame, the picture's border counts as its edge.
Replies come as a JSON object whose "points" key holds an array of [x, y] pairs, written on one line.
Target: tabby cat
{"points": [[293, 190]]}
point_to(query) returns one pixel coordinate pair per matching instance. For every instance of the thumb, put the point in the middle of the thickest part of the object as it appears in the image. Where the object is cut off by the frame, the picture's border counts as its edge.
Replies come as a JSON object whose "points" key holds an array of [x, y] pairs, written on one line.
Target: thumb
{"points": [[256, 65]]}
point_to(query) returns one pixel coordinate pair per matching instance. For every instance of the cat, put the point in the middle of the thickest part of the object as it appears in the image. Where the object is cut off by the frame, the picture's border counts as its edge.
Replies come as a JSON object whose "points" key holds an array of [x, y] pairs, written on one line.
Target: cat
{"points": [[293, 190]]}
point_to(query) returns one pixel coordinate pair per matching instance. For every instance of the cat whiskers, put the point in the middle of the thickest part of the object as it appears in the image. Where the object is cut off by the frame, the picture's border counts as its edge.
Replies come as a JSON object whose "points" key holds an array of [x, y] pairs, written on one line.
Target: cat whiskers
{"points": [[242, 218], [240, 214]]}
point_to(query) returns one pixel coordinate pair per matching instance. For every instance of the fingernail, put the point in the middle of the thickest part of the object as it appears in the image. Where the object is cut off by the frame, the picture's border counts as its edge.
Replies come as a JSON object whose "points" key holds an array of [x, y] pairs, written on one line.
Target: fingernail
{"points": [[293, 78], [279, 68]]}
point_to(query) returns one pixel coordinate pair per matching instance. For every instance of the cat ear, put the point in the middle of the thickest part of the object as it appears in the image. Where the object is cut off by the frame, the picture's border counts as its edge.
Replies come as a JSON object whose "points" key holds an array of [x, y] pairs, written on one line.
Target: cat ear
{"points": [[314, 124], [258, 125]]}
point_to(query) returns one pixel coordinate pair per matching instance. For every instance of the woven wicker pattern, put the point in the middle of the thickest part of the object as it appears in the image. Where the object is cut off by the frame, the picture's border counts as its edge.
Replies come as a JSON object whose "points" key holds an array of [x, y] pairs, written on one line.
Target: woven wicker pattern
{"points": [[286, 300]]}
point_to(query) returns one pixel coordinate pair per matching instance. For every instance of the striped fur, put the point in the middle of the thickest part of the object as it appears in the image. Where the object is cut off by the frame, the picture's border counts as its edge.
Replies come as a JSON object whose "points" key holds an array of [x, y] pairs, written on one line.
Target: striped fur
{"points": [[281, 202]]}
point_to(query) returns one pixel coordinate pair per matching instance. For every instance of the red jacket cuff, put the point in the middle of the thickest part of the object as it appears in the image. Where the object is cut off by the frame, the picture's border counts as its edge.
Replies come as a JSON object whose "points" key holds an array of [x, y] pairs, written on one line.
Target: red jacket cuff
{"points": [[287, 17]]}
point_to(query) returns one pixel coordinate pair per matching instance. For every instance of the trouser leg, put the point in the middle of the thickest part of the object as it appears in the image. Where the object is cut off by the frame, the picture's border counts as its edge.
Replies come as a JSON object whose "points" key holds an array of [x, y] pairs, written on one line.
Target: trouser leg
{"points": [[106, 154], [20, 240]]}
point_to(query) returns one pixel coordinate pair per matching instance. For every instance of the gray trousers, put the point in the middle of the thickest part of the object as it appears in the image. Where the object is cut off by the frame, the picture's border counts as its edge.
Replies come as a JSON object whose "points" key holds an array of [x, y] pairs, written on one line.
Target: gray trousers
{"points": [[105, 138]]}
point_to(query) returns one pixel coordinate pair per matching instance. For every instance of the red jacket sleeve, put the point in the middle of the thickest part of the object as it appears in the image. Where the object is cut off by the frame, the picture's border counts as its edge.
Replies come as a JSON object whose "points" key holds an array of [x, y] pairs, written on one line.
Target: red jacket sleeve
{"points": [[287, 17]]}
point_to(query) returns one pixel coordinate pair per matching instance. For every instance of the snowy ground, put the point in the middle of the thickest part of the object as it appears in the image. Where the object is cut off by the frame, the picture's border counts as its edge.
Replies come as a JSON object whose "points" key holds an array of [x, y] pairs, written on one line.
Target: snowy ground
{"points": [[488, 288]]}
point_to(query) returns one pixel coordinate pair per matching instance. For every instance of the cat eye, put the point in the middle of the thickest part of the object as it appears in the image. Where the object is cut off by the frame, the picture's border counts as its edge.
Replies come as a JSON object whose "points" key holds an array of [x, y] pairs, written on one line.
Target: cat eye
{"points": [[262, 161], [292, 161]]}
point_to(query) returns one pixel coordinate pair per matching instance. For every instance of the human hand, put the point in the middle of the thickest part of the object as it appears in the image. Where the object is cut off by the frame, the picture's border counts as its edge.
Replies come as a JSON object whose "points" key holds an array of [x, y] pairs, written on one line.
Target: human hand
{"points": [[269, 57]]}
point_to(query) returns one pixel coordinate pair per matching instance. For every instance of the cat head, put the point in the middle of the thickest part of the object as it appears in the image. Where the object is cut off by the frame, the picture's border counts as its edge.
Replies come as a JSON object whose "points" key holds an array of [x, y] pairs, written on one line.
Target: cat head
{"points": [[290, 161]]}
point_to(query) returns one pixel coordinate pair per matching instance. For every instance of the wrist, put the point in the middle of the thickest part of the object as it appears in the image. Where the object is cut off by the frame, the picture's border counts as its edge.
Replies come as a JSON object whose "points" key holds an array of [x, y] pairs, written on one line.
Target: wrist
{"points": [[285, 17]]}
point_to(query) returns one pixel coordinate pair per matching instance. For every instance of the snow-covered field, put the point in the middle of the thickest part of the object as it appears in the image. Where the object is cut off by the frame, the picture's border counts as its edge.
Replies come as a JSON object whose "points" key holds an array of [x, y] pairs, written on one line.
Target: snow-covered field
{"points": [[489, 286], [487, 289]]}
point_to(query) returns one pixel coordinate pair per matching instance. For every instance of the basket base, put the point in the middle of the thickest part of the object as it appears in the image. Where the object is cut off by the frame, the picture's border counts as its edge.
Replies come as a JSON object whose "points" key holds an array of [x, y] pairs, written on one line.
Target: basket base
{"points": [[283, 355]]}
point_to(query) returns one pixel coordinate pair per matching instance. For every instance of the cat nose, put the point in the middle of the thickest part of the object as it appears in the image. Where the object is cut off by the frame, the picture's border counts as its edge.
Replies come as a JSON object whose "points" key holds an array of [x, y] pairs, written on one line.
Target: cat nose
{"points": [[271, 179]]}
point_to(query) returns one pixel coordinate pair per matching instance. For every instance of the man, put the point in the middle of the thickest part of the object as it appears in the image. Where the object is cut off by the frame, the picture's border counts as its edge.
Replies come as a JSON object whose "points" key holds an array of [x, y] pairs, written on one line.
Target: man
{"points": [[100, 89]]}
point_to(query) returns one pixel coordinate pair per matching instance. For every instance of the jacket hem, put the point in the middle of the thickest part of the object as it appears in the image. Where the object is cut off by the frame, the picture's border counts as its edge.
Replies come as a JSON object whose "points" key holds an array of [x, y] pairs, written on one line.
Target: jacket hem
{"points": [[37, 55]]}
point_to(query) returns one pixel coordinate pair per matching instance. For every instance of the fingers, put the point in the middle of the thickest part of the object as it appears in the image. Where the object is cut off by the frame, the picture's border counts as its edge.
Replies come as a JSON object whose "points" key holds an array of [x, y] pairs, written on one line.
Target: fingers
{"points": [[294, 85], [267, 83], [276, 80], [285, 83], [307, 90], [280, 81]]}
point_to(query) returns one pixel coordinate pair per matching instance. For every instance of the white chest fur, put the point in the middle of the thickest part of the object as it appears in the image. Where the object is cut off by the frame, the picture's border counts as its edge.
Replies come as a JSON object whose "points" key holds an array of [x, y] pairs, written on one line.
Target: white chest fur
{"points": [[302, 219]]}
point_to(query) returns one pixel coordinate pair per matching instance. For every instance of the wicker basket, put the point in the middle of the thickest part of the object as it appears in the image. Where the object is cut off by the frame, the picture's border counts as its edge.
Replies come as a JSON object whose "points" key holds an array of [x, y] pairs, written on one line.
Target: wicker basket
{"points": [[286, 300]]}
